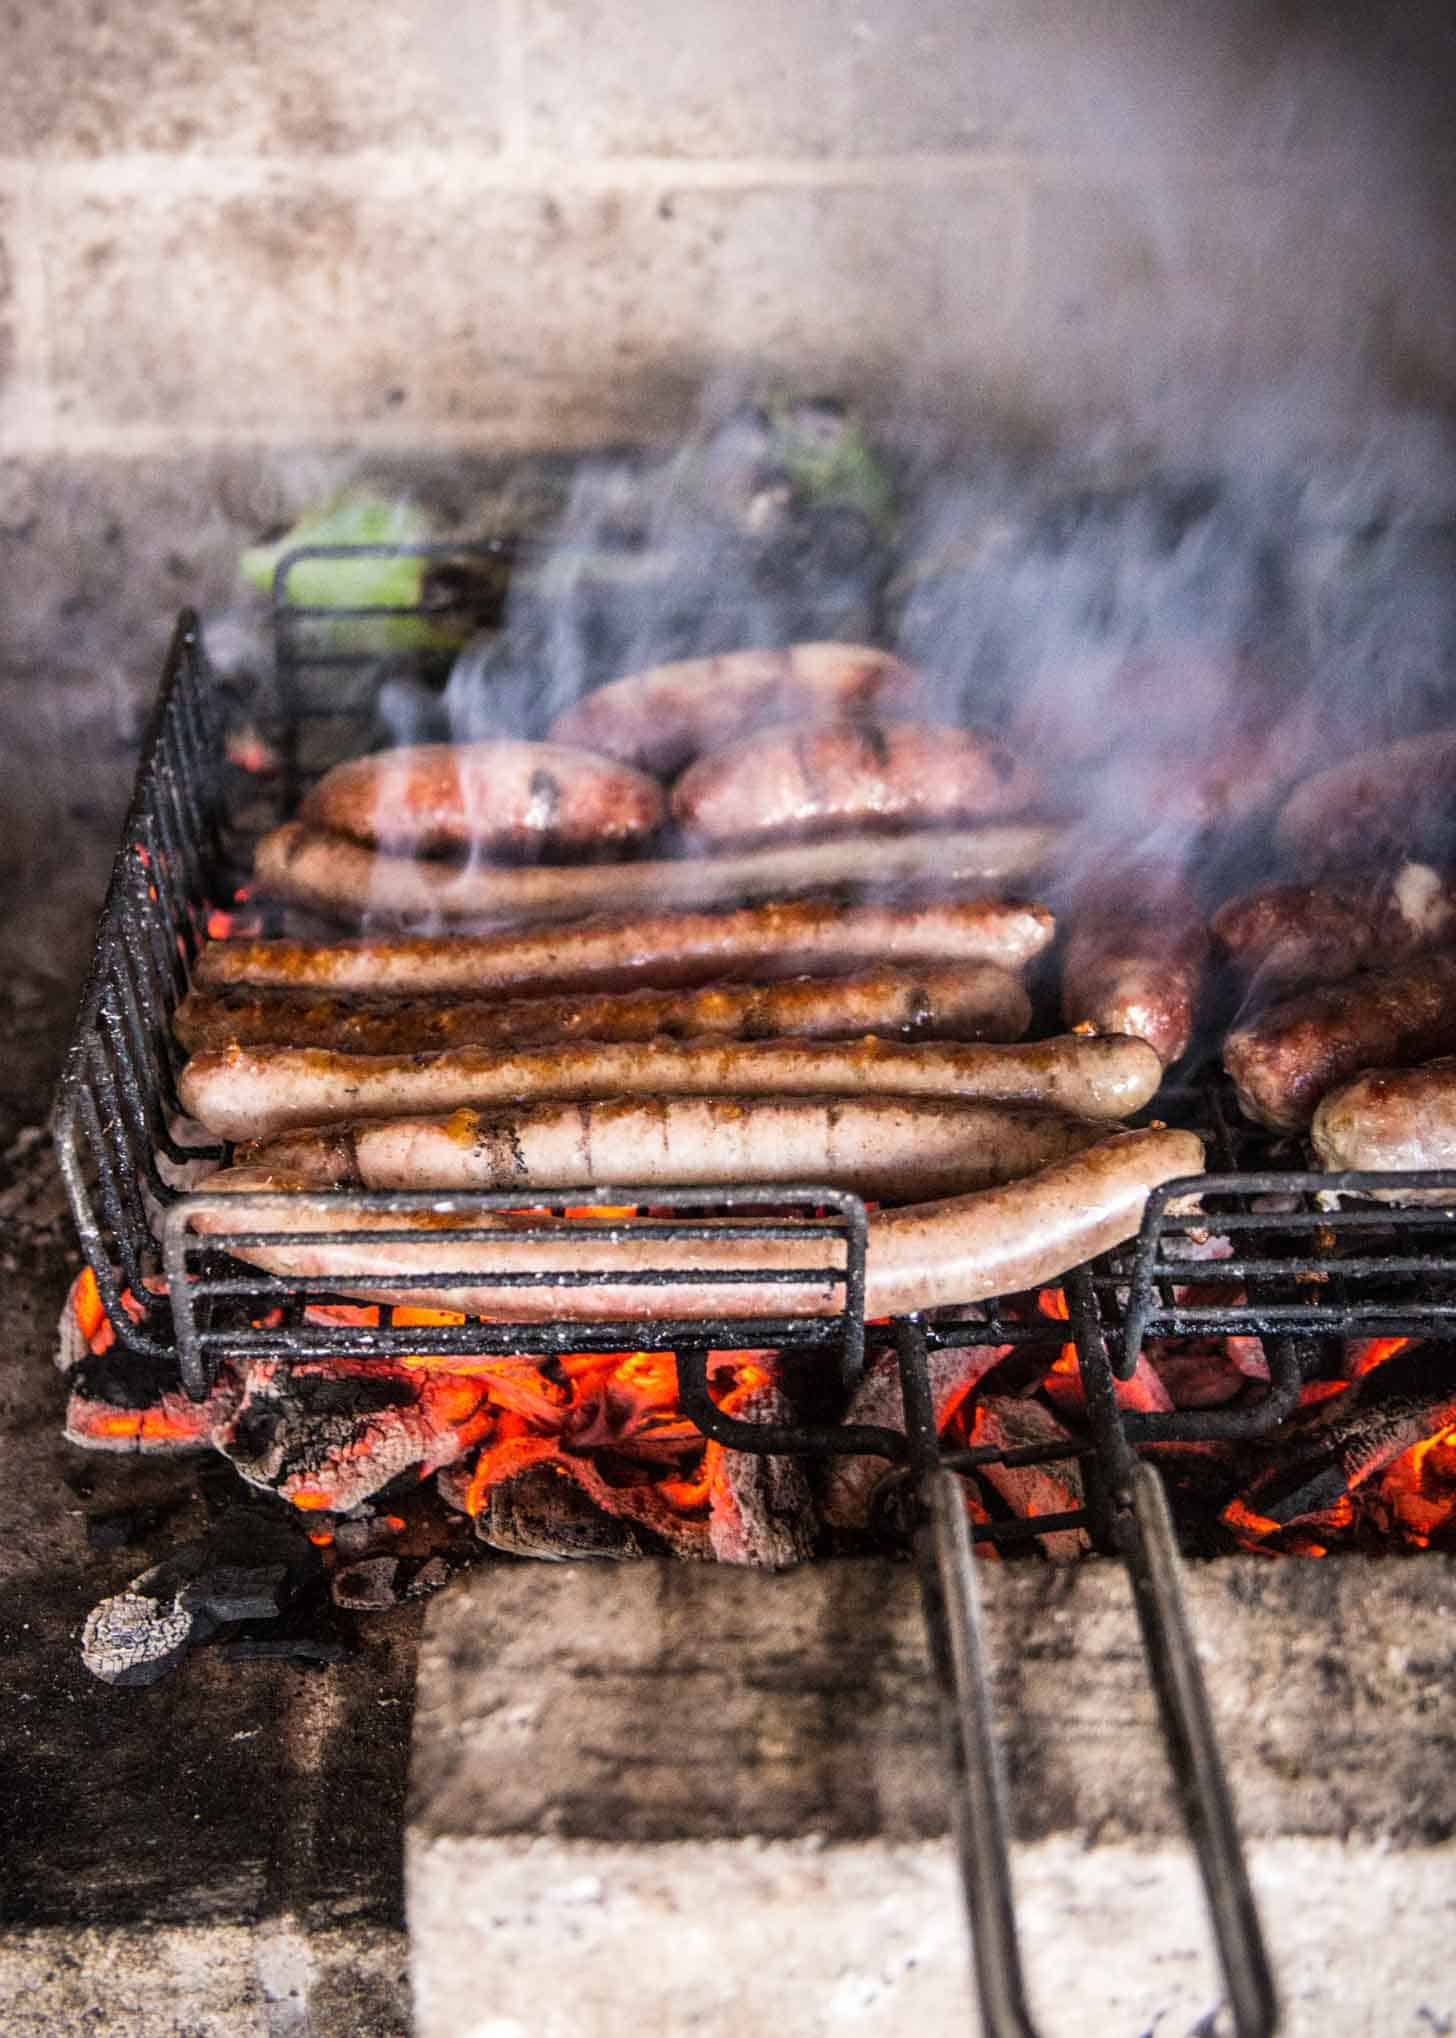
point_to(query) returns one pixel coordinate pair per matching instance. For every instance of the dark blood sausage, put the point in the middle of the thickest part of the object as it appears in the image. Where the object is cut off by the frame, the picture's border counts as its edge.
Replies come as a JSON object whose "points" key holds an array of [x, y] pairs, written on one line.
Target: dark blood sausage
{"points": [[1392, 1120], [1284, 1060], [1300, 934], [658, 948], [784, 784], [1398, 800], [251, 1093], [892, 1149], [520, 799], [952, 1001], [962, 1249], [347, 882], [663, 717], [1134, 964]]}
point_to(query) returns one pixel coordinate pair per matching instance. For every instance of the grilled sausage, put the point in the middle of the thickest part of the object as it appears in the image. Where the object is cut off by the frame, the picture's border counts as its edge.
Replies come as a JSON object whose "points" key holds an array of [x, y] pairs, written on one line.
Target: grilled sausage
{"points": [[661, 718], [791, 783], [1134, 964], [1392, 1120], [960, 1001], [1290, 935], [1284, 1060], [250, 1093], [1398, 800], [521, 799], [959, 1250], [891, 1149], [657, 948], [346, 882]]}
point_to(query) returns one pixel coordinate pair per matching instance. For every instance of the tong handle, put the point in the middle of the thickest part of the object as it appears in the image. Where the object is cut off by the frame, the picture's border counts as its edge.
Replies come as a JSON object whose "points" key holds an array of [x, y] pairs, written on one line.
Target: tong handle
{"points": [[980, 1825]]}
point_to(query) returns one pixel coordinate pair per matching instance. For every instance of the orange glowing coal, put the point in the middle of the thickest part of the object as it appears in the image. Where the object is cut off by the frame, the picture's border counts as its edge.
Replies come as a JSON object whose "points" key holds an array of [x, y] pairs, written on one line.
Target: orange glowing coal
{"points": [[1417, 1494], [1364, 1356], [623, 1405]]}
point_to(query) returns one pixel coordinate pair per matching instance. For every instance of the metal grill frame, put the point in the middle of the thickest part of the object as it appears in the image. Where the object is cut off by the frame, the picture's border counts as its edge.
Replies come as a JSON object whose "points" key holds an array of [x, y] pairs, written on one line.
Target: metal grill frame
{"points": [[1312, 1266]]}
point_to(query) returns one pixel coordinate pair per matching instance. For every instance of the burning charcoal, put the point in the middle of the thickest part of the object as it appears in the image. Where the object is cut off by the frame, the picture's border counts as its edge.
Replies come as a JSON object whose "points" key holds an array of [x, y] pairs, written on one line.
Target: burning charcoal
{"points": [[1029, 1490], [532, 1499], [849, 1488], [327, 1435], [231, 1592], [368, 1586], [131, 1639], [1206, 1372], [760, 1508], [1410, 1397]]}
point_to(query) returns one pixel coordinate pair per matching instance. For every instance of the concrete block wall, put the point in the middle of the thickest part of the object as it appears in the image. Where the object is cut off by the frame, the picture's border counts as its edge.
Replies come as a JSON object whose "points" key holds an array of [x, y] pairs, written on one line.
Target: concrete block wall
{"points": [[498, 224]]}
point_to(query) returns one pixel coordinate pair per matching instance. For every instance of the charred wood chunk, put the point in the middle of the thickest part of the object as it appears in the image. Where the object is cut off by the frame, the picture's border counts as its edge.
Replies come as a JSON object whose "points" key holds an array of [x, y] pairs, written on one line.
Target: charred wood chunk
{"points": [[1401, 1402], [761, 1511], [368, 1586], [131, 1639], [230, 1592], [1053, 1487], [852, 1483]]}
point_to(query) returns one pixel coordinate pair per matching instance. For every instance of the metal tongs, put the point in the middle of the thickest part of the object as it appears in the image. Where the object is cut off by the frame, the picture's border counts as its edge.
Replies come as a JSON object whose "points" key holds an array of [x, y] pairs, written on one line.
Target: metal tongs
{"points": [[1140, 1528]]}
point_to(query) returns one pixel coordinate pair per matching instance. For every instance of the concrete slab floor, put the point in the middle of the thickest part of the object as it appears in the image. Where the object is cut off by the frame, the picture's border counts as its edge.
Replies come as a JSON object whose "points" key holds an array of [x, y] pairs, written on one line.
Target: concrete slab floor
{"points": [[219, 1853]]}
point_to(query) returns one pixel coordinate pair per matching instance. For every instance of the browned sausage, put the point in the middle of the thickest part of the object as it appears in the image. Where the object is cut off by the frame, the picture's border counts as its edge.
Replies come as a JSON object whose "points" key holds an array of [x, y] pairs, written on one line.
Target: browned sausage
{"points": [[250, 1093], [661, 718], [1134, 964], [1288, 935], [1392, 801], [963, 1249], [891, 1149], [523, 799], [1289, 1056], [349, 883], [661, 949], [956, 1001], [1392, 1120], [789, 783]]}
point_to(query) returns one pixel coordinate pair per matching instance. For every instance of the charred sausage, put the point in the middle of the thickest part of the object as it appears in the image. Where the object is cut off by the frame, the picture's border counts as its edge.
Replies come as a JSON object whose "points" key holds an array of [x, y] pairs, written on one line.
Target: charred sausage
{"points": [[346, 882], [661, 949], [1392, 1120], [1134, 964], [802, 782], [661, 718], [1398, 800], [959, 1250], [251, 1093], [521, 799], [959, 1001], [1284, 1060], [1289, 935], [892, 1149]]}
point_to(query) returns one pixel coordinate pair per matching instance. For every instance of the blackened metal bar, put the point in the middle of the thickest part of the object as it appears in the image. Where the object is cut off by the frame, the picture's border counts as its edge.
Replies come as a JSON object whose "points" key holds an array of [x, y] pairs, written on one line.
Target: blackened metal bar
{"points": [[1229, 1425], [950, 1597], [1150, 1552], [774, 1440]]}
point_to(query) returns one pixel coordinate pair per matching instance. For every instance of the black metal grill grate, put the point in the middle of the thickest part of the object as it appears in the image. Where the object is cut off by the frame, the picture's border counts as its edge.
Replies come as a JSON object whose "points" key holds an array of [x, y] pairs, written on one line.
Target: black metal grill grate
{"points": [[1299, 1266]]}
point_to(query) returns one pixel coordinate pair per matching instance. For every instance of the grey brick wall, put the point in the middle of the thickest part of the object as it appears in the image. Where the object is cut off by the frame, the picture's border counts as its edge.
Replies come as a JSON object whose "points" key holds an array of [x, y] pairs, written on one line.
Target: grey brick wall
{"points": [[496, 224]]}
